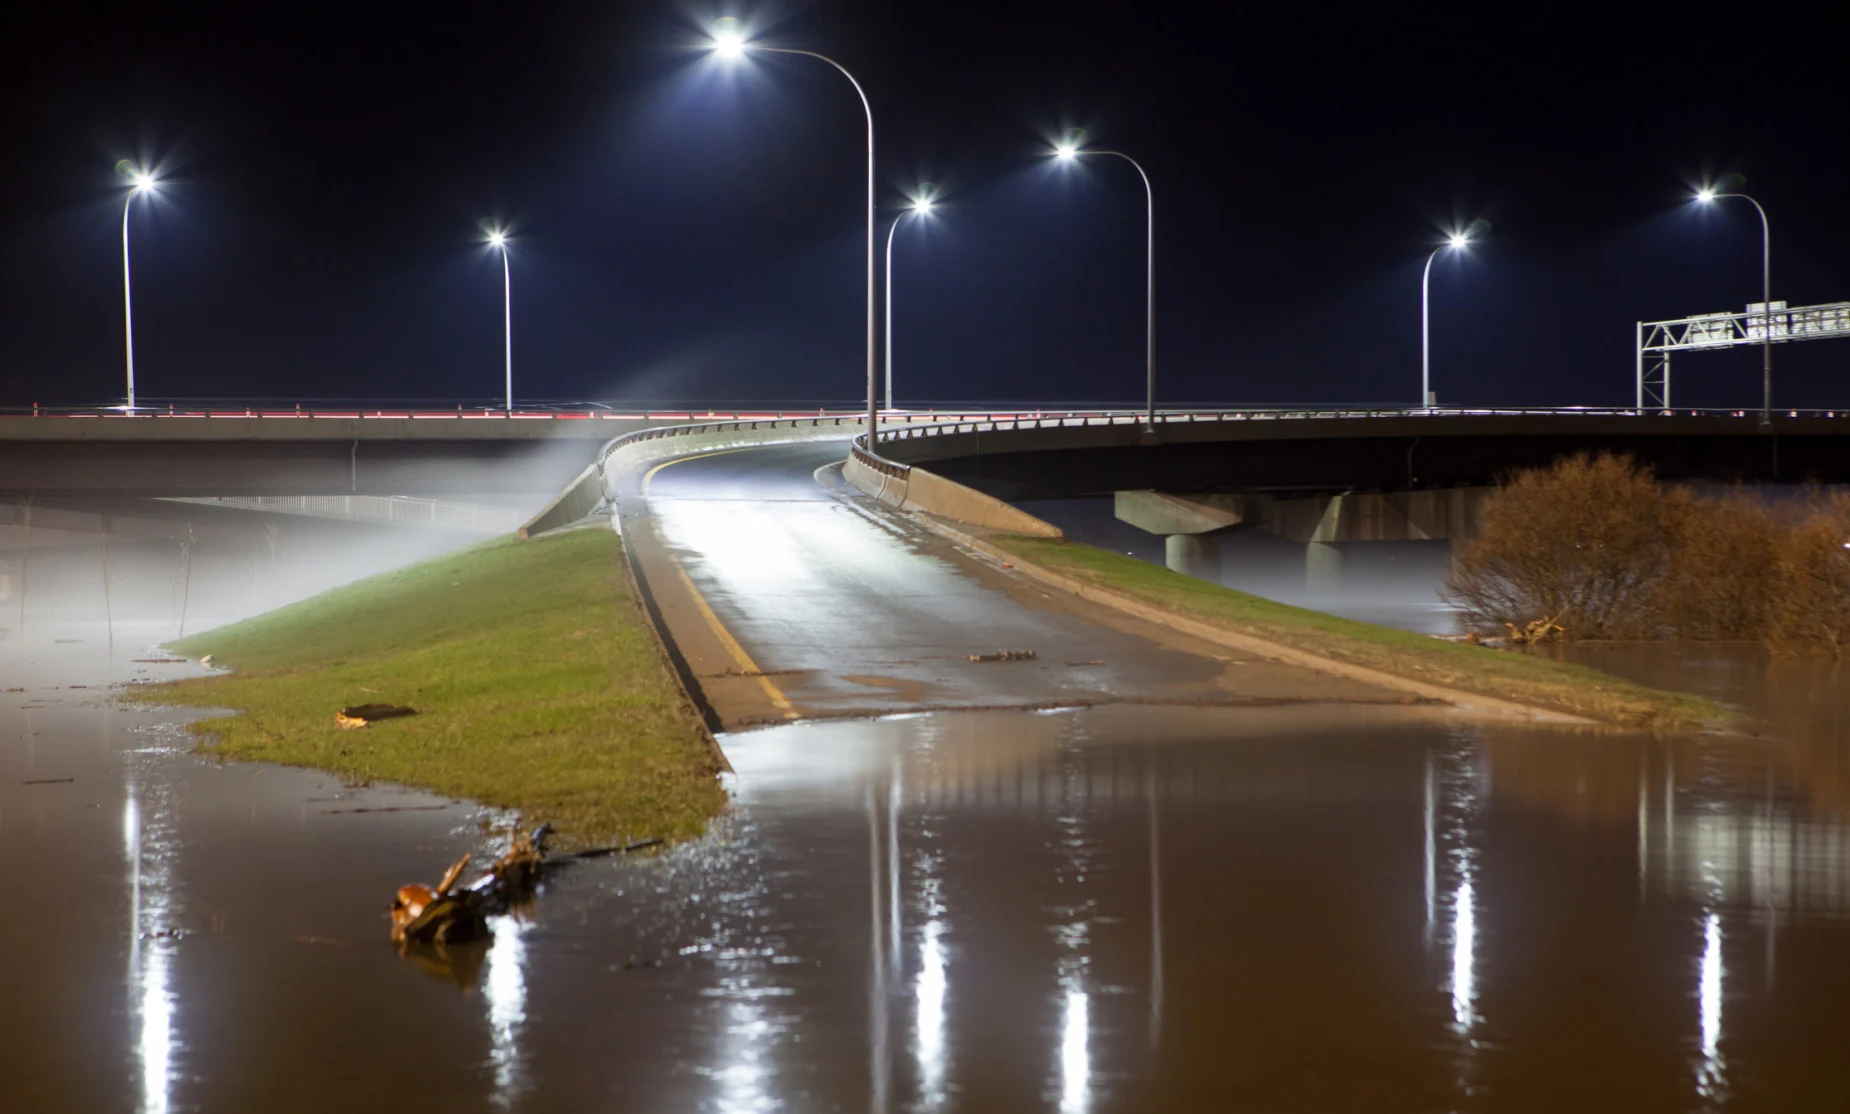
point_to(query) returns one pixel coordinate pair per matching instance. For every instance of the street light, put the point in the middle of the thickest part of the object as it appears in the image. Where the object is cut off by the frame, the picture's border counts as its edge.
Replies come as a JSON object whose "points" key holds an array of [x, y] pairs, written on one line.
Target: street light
{"points": [[141, 181], [1457, 241], [730, 43], [920, 207], [497, 239], [1707, 196], [1069, 151]]}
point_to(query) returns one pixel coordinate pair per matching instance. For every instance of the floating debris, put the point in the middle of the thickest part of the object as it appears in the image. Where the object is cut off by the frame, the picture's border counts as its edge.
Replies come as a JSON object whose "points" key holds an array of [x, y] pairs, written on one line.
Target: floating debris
{"points": [[447, 915], [48, 781], [159, 661], [1006, 655], [207, 660], [362, 714]]}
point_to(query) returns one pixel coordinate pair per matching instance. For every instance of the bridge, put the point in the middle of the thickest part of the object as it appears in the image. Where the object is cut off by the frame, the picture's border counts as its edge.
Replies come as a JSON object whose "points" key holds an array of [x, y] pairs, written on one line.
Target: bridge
{"points": [[1320, 478]]}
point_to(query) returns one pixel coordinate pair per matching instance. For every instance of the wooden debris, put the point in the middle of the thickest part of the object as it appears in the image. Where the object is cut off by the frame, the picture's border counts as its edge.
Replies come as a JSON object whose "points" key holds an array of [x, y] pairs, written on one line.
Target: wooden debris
{"points": [[207, 660], [448, 915], [1006, 655], [362, 714], [1538, 630]]}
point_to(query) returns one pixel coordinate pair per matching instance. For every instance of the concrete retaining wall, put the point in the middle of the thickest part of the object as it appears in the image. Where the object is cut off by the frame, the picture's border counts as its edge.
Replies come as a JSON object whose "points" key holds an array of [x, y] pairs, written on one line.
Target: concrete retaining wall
{"points": [[595, 483], [579, 499], [919, 490]]}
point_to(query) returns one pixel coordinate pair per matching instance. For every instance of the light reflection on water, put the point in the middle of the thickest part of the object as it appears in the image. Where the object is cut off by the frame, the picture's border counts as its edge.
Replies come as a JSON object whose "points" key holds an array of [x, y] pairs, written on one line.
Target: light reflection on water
{"points": [[1119, 909], [505, 987]]}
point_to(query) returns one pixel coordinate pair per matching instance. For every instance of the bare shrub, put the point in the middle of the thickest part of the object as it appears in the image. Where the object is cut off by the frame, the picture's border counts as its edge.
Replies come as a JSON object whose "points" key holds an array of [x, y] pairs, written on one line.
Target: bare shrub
{"points": [[1584, 542], [1724, 556], [1810, 608]]}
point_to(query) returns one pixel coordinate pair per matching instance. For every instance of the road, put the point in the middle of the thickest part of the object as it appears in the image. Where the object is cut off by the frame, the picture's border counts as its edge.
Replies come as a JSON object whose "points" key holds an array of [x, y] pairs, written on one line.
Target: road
{"points": [[794, 596]]}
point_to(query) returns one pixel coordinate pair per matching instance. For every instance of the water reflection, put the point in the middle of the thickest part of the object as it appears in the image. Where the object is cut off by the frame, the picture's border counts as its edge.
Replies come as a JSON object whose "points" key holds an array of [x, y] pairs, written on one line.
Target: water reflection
{"points": [[1075, 1063], [505, 988], [151, 947], [1453, 792], [1709, 1008]]}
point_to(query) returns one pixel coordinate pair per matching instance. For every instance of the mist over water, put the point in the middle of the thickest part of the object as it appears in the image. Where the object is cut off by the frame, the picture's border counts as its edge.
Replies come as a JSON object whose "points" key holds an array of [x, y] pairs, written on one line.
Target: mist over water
{"points": [[1393, 583], [85, 584]]}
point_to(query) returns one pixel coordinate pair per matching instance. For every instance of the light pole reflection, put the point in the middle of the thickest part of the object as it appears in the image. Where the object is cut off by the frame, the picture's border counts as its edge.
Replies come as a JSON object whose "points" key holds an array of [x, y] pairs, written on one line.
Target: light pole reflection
{"points": [[930, 990], [150, 957], [1452, 798], [505, 987], [1156, 915], [877, 1006], [1709, 1008]]}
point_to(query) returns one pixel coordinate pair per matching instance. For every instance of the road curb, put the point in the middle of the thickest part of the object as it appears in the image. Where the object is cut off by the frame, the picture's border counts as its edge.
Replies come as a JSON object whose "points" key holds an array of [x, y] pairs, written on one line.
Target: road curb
{"points": [[1234, 640]]}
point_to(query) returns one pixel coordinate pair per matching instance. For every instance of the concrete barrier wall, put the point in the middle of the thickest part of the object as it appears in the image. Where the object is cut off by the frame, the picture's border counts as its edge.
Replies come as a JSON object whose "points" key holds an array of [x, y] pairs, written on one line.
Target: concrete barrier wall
{"points": [[579, 499], [913, 490], [597, 482], [920, 490]]}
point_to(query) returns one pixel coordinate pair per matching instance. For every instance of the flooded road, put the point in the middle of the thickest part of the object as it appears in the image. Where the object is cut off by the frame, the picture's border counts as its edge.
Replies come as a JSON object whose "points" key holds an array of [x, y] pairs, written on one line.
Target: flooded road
{"points": [[1117, 908]]}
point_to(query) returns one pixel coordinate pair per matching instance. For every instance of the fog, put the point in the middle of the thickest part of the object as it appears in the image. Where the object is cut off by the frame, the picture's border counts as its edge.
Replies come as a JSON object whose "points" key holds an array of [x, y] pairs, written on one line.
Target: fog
{"points": [[133, 586], [1392, 583]]}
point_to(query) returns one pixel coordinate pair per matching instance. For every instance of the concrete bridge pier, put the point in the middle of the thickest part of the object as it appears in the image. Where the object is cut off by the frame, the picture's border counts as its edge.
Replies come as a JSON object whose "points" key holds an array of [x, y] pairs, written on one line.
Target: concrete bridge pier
{"points": [[1189, 525], [1196, 555]]}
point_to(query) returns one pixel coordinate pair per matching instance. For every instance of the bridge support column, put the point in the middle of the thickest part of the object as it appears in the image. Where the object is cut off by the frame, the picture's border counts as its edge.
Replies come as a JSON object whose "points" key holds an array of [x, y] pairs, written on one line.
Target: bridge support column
{"points": [[1195, 555]]}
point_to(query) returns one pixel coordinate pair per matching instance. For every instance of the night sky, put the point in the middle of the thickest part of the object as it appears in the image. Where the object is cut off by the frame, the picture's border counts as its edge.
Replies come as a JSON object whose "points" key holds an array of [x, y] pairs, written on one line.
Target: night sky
{"points": [[688, 232]]}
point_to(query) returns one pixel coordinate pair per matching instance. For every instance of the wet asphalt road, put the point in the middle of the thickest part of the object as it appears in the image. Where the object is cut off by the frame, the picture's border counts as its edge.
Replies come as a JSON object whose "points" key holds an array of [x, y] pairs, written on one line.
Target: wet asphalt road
{"points": [[850, 608]]}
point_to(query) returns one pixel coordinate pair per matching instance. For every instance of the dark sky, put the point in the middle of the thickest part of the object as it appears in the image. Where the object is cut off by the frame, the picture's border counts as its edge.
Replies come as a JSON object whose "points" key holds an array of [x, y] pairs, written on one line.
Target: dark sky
{"points": [[691, 233]]}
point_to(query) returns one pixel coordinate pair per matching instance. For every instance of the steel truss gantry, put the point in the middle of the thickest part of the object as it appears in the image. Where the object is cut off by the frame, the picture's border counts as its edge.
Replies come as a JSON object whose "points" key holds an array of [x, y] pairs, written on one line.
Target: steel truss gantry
{"points": [[1754, 325]]}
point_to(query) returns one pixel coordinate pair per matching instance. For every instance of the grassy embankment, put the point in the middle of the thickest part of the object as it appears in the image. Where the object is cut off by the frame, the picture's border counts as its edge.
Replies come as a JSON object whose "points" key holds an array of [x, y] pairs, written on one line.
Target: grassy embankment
{"points": [[1517, 677], [538, 683]]}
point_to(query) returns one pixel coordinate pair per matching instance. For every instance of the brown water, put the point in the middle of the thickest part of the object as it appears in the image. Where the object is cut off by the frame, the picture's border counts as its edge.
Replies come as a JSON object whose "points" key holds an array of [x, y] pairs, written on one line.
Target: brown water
{"points": [[1115, 909]]}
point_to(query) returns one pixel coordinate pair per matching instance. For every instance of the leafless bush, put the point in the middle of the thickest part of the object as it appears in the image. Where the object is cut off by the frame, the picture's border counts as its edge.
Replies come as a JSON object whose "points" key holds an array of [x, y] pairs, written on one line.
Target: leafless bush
{"points": [[1810, 598], [1585, 542], [1722, 575]]}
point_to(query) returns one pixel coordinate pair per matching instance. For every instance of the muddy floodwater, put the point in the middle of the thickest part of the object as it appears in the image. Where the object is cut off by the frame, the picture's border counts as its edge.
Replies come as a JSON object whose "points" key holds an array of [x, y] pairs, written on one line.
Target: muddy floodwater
{"points": [[1123, 908]]}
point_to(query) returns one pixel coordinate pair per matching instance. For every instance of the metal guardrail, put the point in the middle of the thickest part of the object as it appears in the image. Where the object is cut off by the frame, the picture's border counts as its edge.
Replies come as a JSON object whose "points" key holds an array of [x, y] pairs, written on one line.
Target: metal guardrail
{"points": [[399, 510], [665, 432]]}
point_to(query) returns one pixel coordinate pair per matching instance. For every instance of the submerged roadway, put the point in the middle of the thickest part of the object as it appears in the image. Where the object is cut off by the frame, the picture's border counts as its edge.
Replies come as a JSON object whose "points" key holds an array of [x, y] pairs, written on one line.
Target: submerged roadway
{"points": [[793, 596]]}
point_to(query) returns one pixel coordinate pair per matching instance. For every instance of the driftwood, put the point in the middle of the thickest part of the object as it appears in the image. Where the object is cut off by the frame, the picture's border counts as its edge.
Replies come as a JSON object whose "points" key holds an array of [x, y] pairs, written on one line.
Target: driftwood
{"points": [[1538, 630], [362, 714], [1006, 655], [448, 915]]}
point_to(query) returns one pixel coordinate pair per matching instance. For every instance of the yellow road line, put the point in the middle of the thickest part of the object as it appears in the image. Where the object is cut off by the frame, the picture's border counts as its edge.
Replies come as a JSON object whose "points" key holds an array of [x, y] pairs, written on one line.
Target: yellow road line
{"points": [[650, 474], [739, 656]]}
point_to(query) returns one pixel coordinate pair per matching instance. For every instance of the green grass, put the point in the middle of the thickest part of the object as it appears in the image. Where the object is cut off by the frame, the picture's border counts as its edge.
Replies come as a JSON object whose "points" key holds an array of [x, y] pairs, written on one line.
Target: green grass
{"points": [[538, 683], [1519, 677]]}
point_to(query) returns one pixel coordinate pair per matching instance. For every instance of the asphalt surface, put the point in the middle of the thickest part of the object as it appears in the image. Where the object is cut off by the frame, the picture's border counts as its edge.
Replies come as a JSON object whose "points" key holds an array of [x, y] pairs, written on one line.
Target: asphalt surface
{"points": [[836, 605]]}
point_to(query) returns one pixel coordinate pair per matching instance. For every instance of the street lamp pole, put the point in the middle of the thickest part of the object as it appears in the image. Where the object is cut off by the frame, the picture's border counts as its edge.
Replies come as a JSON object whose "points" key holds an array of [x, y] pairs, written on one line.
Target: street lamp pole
{"points": [[141, 182], [1456, 242], [921, 207], [1766, 299], [731, 43], [497, 238], [1069, 151]]}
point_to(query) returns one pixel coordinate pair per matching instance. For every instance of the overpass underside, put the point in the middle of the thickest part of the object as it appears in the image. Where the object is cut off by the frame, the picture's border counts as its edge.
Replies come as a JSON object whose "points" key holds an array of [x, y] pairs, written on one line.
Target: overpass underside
{"points": [[1327, 482]]}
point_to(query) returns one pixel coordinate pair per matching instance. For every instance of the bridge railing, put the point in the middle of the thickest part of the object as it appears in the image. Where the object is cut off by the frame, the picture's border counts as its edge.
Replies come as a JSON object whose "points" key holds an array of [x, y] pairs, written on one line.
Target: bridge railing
{"points": [[1058, 420]]}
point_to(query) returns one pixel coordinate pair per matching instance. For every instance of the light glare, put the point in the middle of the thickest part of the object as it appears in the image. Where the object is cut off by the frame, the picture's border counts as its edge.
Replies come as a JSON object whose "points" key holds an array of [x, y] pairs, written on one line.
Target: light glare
{"points": [[1705, 195], [728, 39], [497, 238], [1066, 151], [1459, 240], [922, 205]]}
